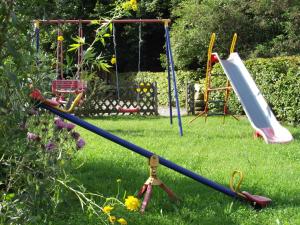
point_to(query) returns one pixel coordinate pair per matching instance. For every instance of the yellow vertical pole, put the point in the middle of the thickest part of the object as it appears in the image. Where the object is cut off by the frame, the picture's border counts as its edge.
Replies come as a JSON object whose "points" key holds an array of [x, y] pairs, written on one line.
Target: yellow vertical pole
{"points": [[208, 73], [228, 86]]}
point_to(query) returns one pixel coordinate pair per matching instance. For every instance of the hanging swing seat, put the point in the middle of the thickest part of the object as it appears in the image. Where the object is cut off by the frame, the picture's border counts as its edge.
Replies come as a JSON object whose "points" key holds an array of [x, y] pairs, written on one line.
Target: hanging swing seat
{"points": [[68, 86], [128, 110]]}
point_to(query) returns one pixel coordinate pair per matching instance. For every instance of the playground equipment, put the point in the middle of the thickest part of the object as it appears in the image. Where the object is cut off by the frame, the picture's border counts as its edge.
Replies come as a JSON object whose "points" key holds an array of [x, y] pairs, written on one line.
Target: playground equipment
{"points": [[254, 104], [170, 61], [255, 200], [152, 181], [211, 61], [171, 69], [62, 87], [120, 108], [37, 95]]}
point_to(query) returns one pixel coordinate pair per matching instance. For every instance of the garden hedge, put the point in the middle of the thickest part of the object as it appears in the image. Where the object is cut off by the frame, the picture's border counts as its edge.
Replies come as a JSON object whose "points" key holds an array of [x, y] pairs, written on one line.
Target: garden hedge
{"points": [[277, 78], [162, 83]]}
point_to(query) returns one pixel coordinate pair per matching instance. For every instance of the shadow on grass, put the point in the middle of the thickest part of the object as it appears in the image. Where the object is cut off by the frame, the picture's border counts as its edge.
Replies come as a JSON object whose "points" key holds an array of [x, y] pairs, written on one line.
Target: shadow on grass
{"points": [[141, 132], [199, 203], [123, 118]]}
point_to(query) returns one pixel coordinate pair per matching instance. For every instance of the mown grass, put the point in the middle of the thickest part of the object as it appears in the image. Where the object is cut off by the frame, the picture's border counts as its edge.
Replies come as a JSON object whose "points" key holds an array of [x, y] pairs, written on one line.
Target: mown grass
{"points": [[212, 149]]}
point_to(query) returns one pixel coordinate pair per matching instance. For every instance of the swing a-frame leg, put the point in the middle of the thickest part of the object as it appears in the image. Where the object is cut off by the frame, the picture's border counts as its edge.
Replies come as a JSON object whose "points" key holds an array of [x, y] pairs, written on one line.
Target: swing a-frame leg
{"points": [[152, 181]]}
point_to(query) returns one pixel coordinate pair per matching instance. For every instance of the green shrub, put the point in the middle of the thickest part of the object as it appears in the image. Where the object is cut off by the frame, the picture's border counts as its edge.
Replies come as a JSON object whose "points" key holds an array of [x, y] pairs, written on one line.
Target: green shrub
{"points": [[278, 80], [264, 28], [182, 77]]}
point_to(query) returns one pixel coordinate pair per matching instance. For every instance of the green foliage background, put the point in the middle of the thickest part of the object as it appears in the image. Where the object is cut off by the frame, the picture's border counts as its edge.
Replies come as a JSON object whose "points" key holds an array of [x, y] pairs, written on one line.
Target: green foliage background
{"points": [[265, 29], [278, 79]]}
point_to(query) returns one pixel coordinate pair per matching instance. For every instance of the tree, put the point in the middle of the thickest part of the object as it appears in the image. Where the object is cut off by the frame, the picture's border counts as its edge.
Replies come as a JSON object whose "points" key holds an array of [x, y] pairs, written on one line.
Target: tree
{"points": [[265, 28]]}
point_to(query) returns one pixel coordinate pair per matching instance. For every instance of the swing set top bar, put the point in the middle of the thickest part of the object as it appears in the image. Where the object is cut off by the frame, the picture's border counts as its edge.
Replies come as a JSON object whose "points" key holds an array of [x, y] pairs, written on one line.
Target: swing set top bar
{"points": [[62, 21]]}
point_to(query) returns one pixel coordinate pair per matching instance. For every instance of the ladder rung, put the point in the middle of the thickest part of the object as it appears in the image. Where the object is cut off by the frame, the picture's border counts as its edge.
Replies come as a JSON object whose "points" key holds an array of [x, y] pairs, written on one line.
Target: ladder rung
{"points": [[216, 101], [219, 89], [217, 74], [216, 114]]}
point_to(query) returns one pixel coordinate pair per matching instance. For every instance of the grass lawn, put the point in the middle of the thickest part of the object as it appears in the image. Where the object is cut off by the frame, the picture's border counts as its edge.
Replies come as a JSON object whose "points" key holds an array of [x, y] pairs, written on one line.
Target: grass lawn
{"points": [[211, 149]]}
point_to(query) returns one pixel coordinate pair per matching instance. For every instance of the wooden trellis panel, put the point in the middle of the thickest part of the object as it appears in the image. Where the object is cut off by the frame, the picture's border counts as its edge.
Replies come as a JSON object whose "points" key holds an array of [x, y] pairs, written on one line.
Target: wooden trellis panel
{"points": [[142, 95]]}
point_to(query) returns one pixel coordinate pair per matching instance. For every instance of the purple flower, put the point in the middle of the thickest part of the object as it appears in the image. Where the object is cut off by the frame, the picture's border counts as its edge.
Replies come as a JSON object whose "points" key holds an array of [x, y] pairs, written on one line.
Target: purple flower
{"points": [[59, 123], [69, 126], [32, 137], [80, 143], [50, 146], [75, 135], [33, 111]]}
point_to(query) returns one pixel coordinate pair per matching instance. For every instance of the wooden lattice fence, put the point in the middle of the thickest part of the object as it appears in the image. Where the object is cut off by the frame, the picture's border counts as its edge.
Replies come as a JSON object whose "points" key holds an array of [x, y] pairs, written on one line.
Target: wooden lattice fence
{"points": [[106, 101]]}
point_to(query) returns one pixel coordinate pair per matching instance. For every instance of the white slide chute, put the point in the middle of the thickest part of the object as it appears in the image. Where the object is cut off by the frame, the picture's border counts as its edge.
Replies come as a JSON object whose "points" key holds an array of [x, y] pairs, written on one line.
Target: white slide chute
{"points": [[255, 106]]}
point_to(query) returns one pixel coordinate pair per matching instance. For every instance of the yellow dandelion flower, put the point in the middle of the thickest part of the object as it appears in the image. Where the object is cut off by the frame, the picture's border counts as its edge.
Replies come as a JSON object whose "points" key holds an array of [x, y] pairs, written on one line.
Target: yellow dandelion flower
{"points": [[134, 7], [60, 38], [112, 219], [126, 5], [107, 209], [132, 203], [122, 221], [133, 4], [113, 60]]}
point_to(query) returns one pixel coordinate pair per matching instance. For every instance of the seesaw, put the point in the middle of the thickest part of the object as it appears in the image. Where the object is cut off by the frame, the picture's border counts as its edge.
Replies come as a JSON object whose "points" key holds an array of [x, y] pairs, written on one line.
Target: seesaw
{"points": [[255, 200]]}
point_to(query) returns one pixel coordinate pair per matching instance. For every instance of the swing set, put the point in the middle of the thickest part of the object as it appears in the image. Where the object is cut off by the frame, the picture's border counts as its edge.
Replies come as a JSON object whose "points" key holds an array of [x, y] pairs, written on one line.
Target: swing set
{"points": [[170, 66], [61, 86], [119, 107]]}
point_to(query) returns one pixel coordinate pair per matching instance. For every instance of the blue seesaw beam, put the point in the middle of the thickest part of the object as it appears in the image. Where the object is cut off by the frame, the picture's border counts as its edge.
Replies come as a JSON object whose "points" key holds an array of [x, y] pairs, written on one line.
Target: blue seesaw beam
{"points": [[140, 151]]}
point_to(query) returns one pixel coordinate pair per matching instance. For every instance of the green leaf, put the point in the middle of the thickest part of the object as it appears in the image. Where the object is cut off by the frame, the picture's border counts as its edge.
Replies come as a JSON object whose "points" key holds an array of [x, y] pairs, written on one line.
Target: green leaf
{"points": [[80, 40], [102, 40], [73, 47], [9, 197], [107, 35], [95, 22], [89, 54], [102, 65], [69, 60]]}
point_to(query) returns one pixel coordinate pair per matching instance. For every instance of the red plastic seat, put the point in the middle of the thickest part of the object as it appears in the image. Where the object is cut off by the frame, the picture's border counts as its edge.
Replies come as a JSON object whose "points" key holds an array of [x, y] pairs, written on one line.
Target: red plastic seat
{"points": [[68, 86], [256, 199], [128, 110]]}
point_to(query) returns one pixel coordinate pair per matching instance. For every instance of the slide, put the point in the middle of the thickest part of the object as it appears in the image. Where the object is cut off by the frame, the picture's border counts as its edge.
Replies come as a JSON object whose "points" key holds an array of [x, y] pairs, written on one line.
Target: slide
{"points": [[255, 106]]}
